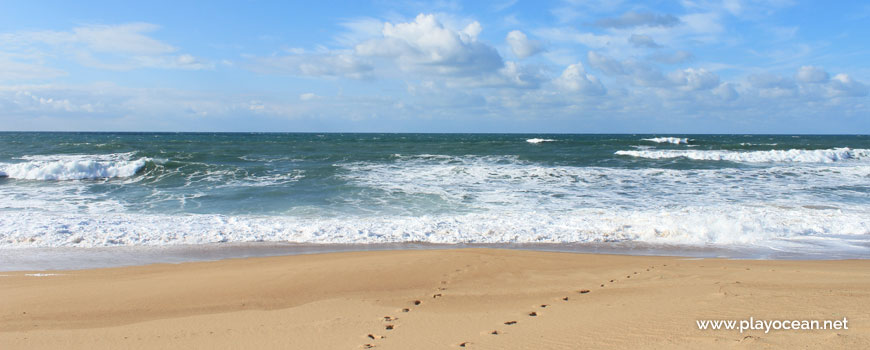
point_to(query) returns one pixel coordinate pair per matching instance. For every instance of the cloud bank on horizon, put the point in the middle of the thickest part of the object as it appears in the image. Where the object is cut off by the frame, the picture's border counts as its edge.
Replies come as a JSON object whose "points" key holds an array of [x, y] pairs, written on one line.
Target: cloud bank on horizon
{"points": [[774, 66]]}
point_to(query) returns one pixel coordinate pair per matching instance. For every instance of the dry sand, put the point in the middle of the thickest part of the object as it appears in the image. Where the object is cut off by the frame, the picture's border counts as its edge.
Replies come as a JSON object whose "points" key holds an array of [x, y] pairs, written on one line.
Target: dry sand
{"points": [[354, 300]]}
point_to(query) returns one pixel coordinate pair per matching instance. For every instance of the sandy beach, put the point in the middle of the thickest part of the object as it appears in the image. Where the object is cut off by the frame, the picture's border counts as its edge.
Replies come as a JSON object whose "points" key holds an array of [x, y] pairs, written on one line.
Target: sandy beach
{"points": [[435, 299]]}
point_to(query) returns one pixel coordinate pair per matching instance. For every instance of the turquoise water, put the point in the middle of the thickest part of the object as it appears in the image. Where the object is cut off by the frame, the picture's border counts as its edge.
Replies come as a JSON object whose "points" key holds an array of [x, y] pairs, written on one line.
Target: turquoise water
{"points": [[793, 193]]}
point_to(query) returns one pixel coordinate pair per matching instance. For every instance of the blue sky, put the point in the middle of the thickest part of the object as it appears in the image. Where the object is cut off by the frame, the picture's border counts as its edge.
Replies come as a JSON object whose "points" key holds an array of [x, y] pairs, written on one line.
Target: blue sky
{"points": [[692, 66]]}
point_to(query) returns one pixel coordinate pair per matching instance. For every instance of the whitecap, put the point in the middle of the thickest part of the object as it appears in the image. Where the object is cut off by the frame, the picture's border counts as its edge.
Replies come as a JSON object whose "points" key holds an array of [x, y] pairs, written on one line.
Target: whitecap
{"points": [[674, 140], [73, 167], [537, 140], [772, 156]]}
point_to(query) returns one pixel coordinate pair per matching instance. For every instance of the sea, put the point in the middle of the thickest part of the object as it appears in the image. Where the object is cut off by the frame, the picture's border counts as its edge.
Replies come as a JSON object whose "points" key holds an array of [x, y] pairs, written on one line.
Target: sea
{"points": [[71, 199]]}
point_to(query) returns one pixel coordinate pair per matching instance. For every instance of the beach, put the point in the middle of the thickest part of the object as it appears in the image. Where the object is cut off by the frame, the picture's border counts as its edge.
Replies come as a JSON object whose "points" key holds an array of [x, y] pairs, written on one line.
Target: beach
{"points": [[436, 299]]}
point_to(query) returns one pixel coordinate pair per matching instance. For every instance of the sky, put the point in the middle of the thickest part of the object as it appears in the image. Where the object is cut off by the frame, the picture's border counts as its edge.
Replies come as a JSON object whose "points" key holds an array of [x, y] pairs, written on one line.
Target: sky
{"points": [[571, 66]]}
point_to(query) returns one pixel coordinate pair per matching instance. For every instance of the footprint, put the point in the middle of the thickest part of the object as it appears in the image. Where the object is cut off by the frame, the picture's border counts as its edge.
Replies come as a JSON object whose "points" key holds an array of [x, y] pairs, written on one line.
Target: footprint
{"points": [[602, 284], [544, 305], [436, 295], [565, 298], [390, 318], [584, 291], [510, 323], [417, 302], [463, 344], [495, 332], [406, 310], [533, 314], [375, 336], [629, 276], [368, 346], [389, 327], [611, 281]]}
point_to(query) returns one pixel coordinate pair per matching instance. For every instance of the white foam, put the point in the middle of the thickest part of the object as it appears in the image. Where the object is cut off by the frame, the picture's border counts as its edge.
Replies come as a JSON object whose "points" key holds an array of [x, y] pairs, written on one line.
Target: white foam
{"points": [[789, 156], [537, 140], [73, 167], [763, 226], [490, 199], [674, 140], [499, 183]]}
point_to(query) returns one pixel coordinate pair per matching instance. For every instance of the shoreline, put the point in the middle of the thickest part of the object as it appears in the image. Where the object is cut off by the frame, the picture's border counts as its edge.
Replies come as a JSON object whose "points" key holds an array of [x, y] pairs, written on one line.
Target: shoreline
{"points": [[79, 258], [337, 300]]}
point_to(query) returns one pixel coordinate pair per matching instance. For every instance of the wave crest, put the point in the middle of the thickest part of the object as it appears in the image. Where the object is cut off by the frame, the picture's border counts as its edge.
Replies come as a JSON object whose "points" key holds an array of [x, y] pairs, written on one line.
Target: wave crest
{"points": [[537, 140], [674, 140], [772, 156], [74, 167]]}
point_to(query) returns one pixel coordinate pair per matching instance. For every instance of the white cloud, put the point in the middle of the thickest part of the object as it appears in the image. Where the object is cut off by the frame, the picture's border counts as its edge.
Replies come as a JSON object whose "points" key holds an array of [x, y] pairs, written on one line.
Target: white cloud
{"points": [[844, 85], [12, 69], [695, 79], [521, 76], [810, 74], [330, 64], [308, 96], [116, 47], [125, 38], [726, 91], [572, 35], [522, 46], [703, 26], [426, 45], [575, 78]]}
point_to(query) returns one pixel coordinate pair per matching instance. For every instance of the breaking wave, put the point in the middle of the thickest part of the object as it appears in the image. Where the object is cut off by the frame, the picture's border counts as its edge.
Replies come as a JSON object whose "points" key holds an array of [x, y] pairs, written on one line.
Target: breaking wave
{"points": [[787, 156], [73, 167], [537, 140], [674, 140]]}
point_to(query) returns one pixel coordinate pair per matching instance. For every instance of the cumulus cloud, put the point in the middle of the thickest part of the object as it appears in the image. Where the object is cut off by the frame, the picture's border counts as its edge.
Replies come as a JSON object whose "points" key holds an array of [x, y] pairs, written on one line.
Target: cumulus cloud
{"points": [[574, 78], [726, 91], [810, 74], [35, 102], [770, 85], [522, 46], [844, 85], [695, 79], [640, 40], [637, 19], [521, 76], [642, 73], [426, 45]]}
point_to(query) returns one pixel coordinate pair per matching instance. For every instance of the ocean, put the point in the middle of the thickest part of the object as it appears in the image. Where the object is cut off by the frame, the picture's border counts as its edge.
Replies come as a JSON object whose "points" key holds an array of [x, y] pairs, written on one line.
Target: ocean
{"points": [[771, 195]]}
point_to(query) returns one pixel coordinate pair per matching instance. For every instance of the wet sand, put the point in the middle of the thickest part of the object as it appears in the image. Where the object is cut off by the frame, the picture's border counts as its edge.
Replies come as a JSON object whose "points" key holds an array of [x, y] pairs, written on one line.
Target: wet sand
{"points": [[435, 299]]}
